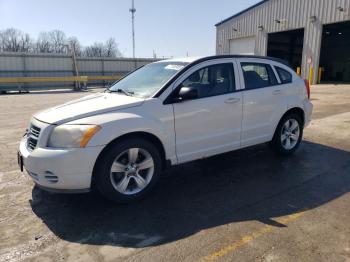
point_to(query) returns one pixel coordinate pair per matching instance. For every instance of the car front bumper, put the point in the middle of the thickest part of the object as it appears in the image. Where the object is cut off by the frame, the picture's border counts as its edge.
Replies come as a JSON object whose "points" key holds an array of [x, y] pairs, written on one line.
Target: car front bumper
{"points": [[60, 170]]}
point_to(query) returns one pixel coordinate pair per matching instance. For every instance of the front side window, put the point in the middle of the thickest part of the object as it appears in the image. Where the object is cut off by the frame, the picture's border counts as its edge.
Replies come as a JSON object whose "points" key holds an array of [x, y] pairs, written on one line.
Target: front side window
{"points": [[147, 80], [284, 75], [212, 80], [258, 75]]}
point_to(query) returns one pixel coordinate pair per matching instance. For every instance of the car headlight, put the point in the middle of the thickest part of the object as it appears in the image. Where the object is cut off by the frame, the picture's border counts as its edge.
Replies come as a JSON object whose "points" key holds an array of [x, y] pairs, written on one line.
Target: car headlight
{"points": [[72, 136]]}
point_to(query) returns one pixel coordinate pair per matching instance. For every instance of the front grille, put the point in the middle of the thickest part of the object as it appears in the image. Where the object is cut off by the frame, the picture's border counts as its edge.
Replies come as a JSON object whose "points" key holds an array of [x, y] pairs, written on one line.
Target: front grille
{"points": [[33, 136], [35, 131], [31, 142]]}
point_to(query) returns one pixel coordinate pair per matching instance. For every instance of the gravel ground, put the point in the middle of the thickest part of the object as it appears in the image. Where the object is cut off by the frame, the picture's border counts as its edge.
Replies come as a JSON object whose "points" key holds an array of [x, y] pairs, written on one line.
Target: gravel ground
{"points": [[248, 205]]}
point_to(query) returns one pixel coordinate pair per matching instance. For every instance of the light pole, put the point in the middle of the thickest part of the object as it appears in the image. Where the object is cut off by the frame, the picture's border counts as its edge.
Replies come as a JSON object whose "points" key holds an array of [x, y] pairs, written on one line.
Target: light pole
{"points": [[133, 10]]}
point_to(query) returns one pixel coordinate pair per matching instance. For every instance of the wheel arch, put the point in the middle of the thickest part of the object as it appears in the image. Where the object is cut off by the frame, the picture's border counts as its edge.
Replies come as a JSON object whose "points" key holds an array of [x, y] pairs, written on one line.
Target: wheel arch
{"points": [[137, 134], [295, 110]]}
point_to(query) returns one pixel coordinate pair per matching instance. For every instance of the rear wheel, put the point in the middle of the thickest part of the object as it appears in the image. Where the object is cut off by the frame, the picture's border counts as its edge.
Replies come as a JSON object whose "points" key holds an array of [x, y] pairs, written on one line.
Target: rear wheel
{"points": [[128, 170], [288, 135]]}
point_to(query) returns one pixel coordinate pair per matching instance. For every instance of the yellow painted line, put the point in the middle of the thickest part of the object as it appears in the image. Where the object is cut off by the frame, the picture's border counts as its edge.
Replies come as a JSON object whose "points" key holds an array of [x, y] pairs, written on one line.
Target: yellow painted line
{"points": [[56, 79], [91, 78], [249, 238], [42, 79]]}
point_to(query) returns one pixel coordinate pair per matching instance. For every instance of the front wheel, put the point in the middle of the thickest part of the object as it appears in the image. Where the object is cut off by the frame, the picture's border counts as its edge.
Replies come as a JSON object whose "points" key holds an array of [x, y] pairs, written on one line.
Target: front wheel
{"points": [[128, 170], [288, 135]]}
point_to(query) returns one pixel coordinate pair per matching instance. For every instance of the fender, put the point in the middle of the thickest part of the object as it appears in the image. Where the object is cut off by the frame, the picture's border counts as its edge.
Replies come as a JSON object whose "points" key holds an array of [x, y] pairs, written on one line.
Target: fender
{"points": [[285, 113], [122, 122]]}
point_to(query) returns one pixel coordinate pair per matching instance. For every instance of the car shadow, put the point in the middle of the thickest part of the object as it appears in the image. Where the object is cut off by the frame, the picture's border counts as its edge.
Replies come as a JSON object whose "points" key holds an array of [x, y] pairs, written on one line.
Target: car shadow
{"points": [[249, 184]]}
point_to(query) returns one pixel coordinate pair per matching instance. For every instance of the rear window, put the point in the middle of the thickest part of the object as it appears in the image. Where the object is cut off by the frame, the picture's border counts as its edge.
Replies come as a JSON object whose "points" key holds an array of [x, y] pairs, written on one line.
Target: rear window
{"points": [[284, 75]]}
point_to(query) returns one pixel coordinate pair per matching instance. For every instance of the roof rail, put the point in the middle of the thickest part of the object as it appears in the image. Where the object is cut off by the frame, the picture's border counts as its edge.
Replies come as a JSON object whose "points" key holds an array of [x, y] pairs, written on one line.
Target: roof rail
{"points": [[279, 60]]}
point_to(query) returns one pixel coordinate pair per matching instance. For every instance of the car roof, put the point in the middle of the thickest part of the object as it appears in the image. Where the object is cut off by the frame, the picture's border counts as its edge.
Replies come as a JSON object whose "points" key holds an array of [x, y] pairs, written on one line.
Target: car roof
{"points": [[192, 61], [181, 60], [197, 60]]}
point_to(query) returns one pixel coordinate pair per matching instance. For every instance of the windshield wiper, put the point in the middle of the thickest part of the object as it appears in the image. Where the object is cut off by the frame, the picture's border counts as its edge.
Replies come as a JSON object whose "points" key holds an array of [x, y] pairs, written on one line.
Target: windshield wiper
{"points": [[128, 93]]}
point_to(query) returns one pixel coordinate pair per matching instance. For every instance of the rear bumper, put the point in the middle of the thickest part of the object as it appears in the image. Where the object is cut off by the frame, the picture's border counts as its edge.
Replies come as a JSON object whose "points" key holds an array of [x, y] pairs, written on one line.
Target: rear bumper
{"points": [[60, 169], [308, 107]]}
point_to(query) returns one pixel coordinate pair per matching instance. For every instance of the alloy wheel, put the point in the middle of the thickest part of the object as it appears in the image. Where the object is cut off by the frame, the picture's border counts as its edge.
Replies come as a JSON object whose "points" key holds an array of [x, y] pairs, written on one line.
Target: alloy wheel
{"points": [[290, 134], [132, 171]]}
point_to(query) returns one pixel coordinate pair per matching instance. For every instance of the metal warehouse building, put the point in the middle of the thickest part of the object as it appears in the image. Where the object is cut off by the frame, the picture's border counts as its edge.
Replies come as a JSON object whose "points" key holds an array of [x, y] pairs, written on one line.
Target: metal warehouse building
{"points": [[312, 35]]}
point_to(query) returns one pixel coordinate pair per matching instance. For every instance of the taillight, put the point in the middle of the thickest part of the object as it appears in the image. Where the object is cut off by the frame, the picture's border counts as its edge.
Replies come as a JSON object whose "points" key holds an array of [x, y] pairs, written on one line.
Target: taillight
{"points": [[307, 86]]}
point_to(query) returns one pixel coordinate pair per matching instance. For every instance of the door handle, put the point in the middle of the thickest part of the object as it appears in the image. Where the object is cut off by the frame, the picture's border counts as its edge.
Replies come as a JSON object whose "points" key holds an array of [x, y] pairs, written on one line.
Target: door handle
{"points": [[277, 92], [232, 100]]}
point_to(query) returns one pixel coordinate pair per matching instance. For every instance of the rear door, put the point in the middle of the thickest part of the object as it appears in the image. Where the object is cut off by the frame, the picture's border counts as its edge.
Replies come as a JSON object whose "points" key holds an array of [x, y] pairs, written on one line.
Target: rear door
{"points": [[264, 100]]}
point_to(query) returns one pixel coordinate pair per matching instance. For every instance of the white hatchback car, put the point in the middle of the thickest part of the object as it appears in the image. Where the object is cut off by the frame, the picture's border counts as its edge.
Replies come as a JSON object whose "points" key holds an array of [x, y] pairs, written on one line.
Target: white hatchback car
{"points": [[165, 113]]}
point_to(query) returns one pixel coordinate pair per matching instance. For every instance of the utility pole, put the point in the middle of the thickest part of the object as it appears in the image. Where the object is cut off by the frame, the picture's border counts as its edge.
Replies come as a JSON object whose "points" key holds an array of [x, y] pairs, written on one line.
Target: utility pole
{"points": [[133, 10], [71, 49]]}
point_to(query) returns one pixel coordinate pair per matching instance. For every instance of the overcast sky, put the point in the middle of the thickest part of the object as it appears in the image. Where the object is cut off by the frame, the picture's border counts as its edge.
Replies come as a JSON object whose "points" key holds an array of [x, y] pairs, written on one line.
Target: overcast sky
{"points": [[171, 28]]}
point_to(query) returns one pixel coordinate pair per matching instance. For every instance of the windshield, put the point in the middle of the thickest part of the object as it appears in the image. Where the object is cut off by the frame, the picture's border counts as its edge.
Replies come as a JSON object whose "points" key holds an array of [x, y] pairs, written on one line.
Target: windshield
{"points": [[145, 81]]}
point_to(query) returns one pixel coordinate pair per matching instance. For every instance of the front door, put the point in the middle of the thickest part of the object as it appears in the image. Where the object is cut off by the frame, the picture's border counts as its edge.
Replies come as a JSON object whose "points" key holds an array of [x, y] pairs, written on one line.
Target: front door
{"points": [[211, 123]]}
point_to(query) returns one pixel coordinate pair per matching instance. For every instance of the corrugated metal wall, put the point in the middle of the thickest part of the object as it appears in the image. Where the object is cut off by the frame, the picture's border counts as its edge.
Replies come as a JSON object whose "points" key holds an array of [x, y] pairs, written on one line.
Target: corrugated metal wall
{"points": [[297, 14], [18, 64]]}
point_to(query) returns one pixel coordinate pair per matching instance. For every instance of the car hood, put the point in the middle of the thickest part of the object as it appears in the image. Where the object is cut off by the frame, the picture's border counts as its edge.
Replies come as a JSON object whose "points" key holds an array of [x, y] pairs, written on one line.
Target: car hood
{"points": [[87, 106]]}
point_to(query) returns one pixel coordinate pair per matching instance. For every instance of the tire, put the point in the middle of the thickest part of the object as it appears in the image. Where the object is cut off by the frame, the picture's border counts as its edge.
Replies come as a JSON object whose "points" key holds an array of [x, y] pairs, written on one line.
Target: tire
{"points": [[128, 170], [283, 134]]}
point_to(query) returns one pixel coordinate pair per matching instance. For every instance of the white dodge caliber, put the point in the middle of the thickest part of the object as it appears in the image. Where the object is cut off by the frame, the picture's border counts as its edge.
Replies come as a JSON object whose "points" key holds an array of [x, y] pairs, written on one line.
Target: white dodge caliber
{"points": [[163, 114]]}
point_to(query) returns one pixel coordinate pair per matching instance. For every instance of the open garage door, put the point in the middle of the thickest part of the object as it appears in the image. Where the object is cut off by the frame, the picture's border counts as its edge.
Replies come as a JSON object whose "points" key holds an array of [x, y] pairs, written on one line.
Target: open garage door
{"points": [[335, 53], [287, 45], [242, 46]]}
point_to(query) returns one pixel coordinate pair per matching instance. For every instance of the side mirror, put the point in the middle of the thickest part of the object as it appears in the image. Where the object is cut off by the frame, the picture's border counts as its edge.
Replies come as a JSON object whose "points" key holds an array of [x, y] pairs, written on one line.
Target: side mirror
{"points": [[187, 93]]}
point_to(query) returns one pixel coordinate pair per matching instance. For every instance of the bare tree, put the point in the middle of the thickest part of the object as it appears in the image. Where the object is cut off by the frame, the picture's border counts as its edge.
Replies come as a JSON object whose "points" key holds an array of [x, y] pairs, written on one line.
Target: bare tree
{"points": [[75, 44], [111, 48], [58, 41], [2, 41], [95, 50], [51, 42], [43, 44], [13, 40], [10, 39], [26, 44]]}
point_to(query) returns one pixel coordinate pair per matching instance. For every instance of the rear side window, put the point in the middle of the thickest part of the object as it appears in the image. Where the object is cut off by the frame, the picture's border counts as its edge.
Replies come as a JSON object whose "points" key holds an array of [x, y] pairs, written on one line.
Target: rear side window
{"points": [[258, 75], [284, 75]]}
